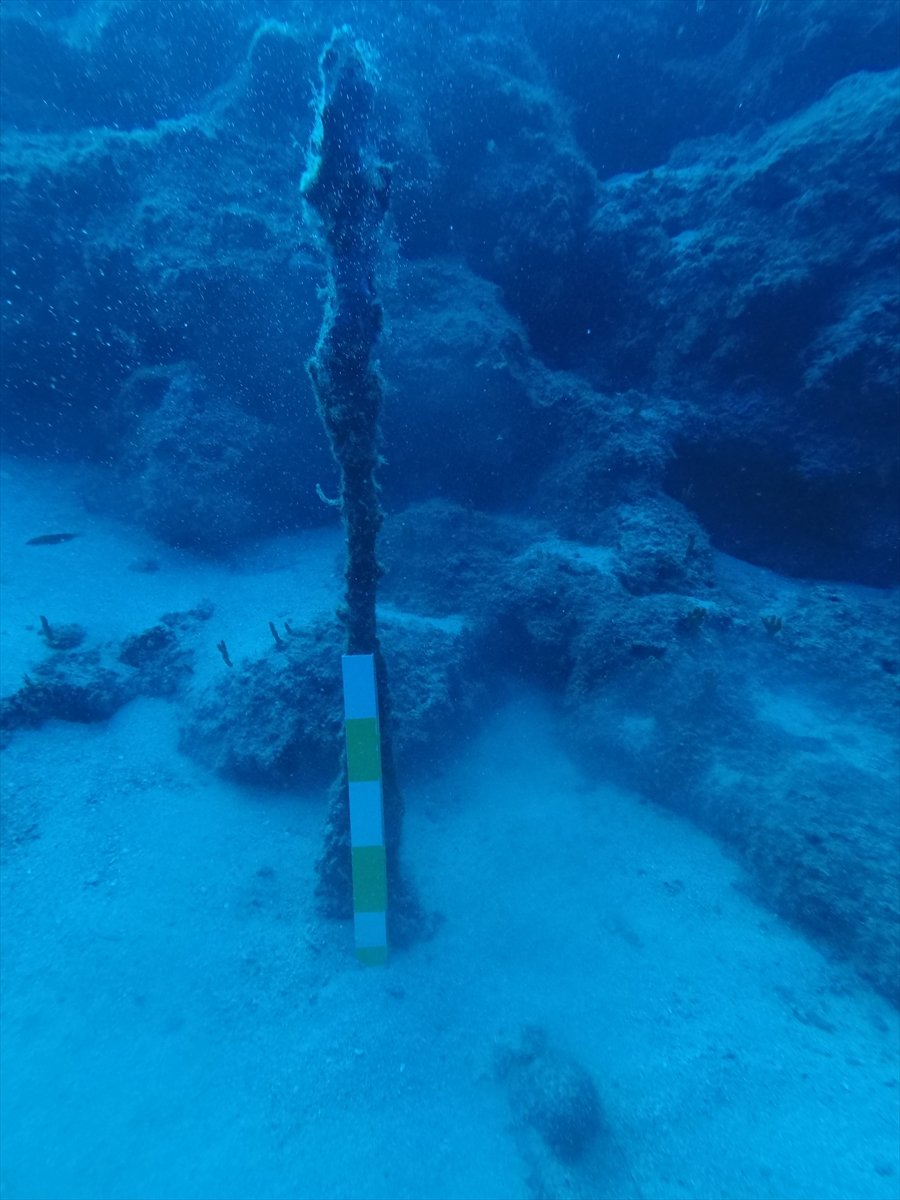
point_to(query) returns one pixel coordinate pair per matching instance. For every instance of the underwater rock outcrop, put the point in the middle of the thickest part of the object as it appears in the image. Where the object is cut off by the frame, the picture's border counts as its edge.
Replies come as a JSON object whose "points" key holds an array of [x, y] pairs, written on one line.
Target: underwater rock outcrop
{"points": [[559, 1126], [276, 720], [80, 686], [90, 685], [551, 1093]]}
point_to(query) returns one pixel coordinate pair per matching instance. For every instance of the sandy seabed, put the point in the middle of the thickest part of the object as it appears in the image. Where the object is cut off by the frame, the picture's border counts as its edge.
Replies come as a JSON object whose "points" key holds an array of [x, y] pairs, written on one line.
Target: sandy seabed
{"points": [[178, 1023]]}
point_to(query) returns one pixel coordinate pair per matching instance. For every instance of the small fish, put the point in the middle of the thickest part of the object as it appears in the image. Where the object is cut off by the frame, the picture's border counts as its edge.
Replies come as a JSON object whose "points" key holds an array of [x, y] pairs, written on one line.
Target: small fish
{"points": [[51, 539]]}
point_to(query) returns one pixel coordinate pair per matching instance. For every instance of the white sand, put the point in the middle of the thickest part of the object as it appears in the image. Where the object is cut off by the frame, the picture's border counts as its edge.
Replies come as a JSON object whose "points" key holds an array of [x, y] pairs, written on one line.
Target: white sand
{"points": [[178, 1025]]}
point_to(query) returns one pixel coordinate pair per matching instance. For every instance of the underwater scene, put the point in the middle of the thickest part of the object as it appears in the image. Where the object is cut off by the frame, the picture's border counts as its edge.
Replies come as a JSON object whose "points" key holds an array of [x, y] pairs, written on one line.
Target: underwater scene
{"points": [[450, 631]]}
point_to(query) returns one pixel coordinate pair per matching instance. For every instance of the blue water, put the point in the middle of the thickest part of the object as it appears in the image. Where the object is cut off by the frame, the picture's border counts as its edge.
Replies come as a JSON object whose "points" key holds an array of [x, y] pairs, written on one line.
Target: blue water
{"points": [[604, 296]]}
